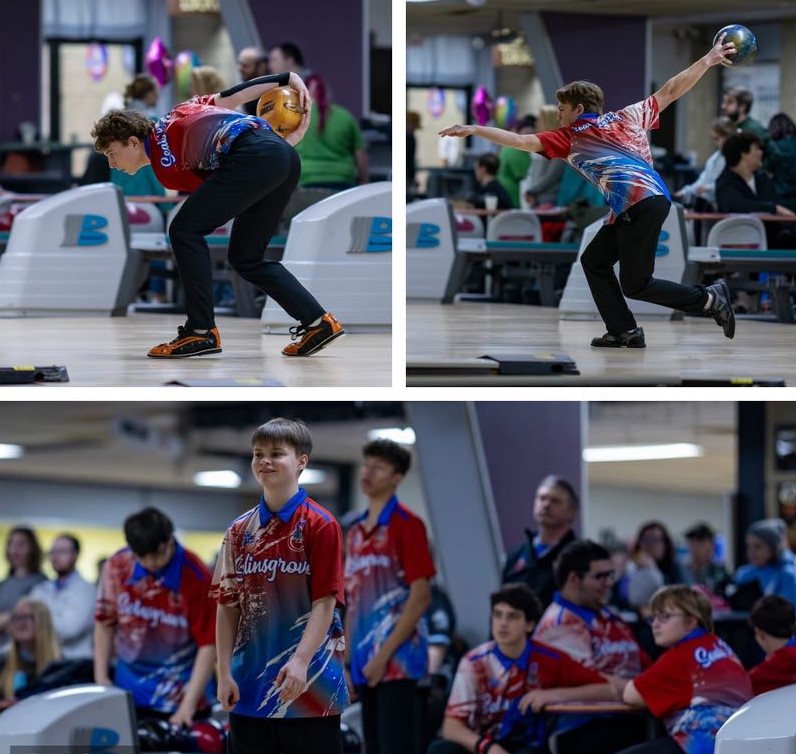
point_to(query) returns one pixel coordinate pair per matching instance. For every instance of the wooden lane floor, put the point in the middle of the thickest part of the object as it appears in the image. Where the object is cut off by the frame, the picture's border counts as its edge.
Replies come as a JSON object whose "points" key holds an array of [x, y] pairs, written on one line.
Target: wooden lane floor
{"points": [[693, 348], [111, 352]]}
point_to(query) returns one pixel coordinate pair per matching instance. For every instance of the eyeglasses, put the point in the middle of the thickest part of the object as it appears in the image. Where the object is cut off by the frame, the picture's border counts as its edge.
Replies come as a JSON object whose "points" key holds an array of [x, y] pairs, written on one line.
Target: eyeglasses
{"points": [[601, 575], [664, 617]]}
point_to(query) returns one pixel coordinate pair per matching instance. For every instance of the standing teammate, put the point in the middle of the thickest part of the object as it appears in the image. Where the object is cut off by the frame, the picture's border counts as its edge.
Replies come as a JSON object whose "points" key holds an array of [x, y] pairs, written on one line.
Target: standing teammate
{"points": [[279, 584], [234, 166], [612, 151]]}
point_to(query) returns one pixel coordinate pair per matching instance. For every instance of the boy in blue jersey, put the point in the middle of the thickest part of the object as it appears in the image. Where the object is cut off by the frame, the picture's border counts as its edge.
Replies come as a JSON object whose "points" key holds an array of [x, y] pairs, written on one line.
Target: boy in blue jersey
{"points": [[387, 573], [611, 151]]}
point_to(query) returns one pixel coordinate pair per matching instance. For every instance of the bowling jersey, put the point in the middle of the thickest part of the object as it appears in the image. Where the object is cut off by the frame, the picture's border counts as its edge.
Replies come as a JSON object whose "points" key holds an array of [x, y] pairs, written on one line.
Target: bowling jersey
{"points": [[600, 640], [612, 152], [694, 687], [273, 566], [184, 146], [160, 621], [777, 670], [488, 687], [380, 566]]}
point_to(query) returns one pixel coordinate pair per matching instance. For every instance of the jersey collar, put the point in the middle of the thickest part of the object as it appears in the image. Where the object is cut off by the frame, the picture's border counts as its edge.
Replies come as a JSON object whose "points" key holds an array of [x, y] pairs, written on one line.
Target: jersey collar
{"points": [[387, 511], [695, 634], [792, 642], [521, 661], [169, 575], [287, 510], [582, 612]]}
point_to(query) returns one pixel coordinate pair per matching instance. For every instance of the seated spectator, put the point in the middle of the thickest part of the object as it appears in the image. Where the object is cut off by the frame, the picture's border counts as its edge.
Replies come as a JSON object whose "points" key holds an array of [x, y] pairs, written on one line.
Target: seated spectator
{"points": [[701, 566], [703, 189], [736, 104], [141, 95], [544, 176], [23, 555], [653, 559], [696, 684], [555, 508], [33, 646], [486, 183], [500, 684], [619, 553], [70, 599], [771, 565], [206, 80], [783, 133], [514, 163], [774, 623], [580, 624]]}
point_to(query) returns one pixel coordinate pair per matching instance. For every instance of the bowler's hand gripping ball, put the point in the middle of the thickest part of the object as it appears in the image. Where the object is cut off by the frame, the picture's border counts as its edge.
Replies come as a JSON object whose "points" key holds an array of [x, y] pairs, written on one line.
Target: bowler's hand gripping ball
{"points": [[281, 108], [744, 41]]}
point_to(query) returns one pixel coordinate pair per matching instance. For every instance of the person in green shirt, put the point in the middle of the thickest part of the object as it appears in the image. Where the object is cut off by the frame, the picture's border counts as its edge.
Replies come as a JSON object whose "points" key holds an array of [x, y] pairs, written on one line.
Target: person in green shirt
{"points": [[332, 152], [736, 104], [514, 163]]}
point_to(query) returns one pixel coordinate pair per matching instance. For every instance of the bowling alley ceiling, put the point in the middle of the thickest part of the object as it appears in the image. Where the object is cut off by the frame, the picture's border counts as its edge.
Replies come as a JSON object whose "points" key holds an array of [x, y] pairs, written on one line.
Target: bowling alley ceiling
{"points": [[161, 445]]}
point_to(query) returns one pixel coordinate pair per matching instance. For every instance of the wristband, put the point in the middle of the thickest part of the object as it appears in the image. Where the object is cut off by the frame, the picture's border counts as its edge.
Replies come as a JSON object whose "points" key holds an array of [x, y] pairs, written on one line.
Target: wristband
{"points": [[281, 79], [483, 745]]}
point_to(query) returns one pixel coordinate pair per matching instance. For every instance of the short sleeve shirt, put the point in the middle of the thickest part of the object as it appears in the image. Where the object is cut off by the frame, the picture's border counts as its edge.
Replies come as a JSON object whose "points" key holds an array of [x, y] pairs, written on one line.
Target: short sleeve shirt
{"points": [[694, 687], [600, 640], [612, 152], [273, 566], [185, 145], [777, 670], [488, 687], [380, 566], [160, 621]]}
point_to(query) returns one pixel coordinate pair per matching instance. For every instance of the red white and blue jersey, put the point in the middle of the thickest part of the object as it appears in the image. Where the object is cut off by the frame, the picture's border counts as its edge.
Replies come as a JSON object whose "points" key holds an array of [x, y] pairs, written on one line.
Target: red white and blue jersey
{"points": [[600, 640], [160, 621], [488, 686], [777, 670], [694, 687], [273, 566], [185, 144], [612, 152], [380, 566]]}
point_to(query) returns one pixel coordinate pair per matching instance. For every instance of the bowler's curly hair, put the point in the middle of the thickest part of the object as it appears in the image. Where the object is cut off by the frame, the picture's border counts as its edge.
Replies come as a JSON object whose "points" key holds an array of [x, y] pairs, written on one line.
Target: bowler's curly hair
{"points": [[582, 93], [119, 125]]}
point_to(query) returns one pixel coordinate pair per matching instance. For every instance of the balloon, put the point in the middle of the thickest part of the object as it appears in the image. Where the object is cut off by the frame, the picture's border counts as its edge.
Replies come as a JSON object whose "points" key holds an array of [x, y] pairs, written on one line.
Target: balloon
{"points": [[505, 112], [481, 106], [184, 64], [158, 61], [96, 61], [436, 102]]}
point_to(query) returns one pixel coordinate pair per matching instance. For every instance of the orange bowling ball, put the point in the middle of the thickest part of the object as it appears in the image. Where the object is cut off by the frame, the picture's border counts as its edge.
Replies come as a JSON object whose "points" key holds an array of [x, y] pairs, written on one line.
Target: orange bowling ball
{"points": [[281, 108]]}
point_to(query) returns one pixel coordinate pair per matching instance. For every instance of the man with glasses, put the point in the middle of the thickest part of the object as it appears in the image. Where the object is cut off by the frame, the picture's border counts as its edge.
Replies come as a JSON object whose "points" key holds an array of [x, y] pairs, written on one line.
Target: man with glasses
{"points": [[70, 599], [579, 623]]}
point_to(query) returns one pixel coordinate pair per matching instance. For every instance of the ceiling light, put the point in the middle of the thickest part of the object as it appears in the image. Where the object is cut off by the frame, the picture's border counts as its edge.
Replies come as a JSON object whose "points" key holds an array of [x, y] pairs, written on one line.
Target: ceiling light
{"points": [[641, 452], [312, 476], [401, 435], [11, 451], [225, 479]]}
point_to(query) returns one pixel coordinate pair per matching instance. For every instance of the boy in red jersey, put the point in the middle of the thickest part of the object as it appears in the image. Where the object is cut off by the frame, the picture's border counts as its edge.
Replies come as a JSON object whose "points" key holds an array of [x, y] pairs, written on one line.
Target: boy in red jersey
{"points": [[774, 624], [612, 152], [153, 614], [234, 166], [387, 573], [696, 684], [279, 586], [500, 684]]}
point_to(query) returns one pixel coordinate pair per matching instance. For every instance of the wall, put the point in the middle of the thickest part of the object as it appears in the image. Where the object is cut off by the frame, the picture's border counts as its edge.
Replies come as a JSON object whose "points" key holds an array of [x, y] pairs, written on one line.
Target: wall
{"points": [[20, 66]]}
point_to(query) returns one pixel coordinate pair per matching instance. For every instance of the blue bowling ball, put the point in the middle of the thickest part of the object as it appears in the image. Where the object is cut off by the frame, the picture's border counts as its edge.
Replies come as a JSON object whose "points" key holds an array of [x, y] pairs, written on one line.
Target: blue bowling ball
{"points": [[744, 41]]}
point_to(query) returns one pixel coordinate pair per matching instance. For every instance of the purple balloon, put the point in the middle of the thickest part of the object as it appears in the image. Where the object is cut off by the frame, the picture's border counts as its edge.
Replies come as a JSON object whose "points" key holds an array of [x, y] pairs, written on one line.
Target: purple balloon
{"points": [[158, 61], [481, 106]]}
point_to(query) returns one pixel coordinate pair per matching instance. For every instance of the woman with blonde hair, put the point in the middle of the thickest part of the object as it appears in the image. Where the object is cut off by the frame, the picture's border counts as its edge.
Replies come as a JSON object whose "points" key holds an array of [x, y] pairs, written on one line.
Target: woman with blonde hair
{"points": [[206, 80], [34, 645]]}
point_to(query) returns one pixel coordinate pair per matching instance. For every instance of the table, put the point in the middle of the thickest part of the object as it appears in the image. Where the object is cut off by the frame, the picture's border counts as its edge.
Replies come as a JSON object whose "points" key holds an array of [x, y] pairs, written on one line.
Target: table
{"points": [[605, 708], [700, 217]]}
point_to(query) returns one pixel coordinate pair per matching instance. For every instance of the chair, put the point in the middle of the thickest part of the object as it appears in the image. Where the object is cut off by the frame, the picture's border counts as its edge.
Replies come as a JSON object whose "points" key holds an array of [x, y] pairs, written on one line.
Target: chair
{"points": [[742, 232], [469, 226], [515, 225]]}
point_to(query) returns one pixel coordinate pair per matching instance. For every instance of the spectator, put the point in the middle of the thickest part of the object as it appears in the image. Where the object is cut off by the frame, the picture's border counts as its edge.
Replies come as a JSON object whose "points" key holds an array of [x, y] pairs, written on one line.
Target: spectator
{"points": [[579, 623], [288, 57], [332, 152], [545, 175], [555, 509], [736, 104], [774, 624], [206, 80], [413, 124], [696, 684], [701, 566], [387, 574], [771, 565], [70, 599], [252, 63], [620, 554], [653, 562], [704, 187], [279, 586], [783, 133], [141, 95], [33, 646], [486, 183], [154, 615], [501, 684], [23, 555], [515, 163]]}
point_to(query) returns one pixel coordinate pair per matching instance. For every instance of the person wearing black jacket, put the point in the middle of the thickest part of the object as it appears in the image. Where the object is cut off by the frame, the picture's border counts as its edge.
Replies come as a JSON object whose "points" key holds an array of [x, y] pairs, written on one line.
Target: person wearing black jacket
{"points": [[486, 169], [555, 509]]}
